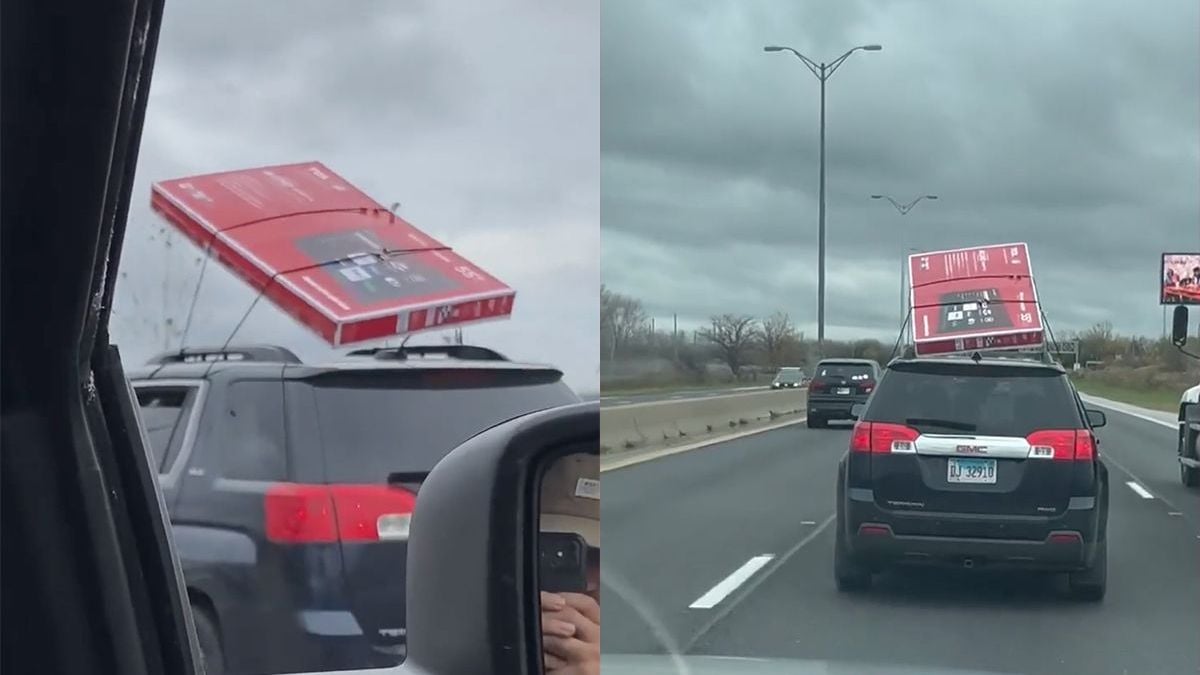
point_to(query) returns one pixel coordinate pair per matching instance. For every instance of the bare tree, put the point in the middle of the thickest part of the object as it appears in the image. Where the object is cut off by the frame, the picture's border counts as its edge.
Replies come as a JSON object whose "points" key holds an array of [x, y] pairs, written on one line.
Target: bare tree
{"points": [[734, 337], [622, 318], [777, 333]]}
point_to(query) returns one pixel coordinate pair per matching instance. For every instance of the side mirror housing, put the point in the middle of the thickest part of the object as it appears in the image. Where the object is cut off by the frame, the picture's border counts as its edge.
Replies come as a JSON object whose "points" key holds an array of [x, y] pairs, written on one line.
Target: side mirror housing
{"points": [[472, 587], [857, 410], [1179, 326], [1096, 418]]}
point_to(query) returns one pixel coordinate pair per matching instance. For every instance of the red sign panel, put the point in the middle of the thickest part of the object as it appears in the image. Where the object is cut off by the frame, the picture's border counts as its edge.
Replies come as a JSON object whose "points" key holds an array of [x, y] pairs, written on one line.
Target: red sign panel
{"points": [[329, 255], [974, 299], [1180, 279]]}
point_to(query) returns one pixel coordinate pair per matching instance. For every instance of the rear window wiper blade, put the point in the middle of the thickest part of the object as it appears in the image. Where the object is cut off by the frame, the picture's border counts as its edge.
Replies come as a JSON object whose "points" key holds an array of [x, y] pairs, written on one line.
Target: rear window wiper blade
{"points": [[945, 424]]}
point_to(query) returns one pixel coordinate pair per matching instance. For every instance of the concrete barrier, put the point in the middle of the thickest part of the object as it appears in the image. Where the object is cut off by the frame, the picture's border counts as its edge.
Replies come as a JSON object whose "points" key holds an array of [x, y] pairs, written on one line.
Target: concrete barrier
{"points": [[664, 422]]}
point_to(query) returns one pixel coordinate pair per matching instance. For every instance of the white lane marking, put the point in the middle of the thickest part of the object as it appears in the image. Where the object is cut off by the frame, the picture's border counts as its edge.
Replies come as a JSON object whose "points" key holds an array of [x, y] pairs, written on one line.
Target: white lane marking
{"points": [[1113, 405], [808, 522], [1133, 485], [730, 583]]}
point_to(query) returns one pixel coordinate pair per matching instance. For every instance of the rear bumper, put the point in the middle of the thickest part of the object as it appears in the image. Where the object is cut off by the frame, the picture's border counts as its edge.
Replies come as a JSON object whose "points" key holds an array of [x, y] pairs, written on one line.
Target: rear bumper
{"points": [[833, 407], [880, 537]]}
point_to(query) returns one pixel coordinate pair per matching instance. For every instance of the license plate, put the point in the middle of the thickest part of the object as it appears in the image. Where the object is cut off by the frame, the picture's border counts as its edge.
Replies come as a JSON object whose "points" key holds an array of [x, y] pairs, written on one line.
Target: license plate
{"points": [[843, 391], [960, 470]]}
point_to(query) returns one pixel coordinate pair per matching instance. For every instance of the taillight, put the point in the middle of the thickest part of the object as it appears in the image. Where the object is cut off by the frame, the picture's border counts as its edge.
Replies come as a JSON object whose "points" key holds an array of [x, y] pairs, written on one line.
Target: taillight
{"points": [[1062, 444], [882, 438], [868, 386], [815, 386], [315, 514]]}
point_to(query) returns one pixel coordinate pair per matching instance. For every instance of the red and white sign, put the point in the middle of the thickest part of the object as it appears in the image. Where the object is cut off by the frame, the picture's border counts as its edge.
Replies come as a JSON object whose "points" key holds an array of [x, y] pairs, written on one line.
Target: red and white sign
{"points": [[329, 255], [974, 299]]}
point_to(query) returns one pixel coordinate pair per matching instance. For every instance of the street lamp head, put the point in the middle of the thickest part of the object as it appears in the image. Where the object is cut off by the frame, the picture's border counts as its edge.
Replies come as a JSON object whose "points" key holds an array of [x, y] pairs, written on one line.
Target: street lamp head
{"points": [[871, 48], [772, 48]]}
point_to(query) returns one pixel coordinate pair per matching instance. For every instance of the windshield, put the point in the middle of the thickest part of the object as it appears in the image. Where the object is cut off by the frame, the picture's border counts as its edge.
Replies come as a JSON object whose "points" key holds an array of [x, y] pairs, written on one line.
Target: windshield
{"points": [[978, 400], [844, 371], [374, 426], [789, 376], [849, 186]]}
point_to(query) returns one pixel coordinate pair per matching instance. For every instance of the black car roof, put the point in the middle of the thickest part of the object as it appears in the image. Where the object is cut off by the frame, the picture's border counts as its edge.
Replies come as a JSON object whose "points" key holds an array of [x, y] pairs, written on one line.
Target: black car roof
{"points": [[1012, 362], [287, 366]]}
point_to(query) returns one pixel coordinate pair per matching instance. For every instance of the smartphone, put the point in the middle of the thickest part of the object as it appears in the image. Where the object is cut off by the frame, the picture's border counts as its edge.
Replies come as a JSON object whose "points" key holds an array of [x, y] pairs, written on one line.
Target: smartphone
{"points": [[562, 562]]}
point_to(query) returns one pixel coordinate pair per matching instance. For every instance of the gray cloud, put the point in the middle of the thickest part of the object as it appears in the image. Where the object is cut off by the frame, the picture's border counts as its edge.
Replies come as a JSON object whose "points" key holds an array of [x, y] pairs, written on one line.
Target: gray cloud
{"points": [[1074, 126], [479, 119]]}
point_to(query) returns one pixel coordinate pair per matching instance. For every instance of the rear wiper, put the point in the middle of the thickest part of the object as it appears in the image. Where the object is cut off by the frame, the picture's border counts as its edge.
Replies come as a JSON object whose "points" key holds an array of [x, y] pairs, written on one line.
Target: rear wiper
{"points": [[945, 424]]}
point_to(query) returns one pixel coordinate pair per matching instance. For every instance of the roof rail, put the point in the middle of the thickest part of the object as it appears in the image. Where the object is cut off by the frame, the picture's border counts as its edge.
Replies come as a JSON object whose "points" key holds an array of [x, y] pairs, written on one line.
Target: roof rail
{"points": [[463, 352], [262, 353]]}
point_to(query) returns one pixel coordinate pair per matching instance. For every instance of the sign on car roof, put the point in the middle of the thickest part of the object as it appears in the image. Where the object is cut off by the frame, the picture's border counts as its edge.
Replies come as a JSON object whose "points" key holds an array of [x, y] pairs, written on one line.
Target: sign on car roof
{"points": [[973, 299], [329, 255]]}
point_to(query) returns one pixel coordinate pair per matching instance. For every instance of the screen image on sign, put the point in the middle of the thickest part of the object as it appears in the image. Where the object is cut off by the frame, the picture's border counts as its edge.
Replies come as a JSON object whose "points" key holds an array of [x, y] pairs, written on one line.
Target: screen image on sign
{"points": [[974, 299], [328, 255], [1180, 279]]}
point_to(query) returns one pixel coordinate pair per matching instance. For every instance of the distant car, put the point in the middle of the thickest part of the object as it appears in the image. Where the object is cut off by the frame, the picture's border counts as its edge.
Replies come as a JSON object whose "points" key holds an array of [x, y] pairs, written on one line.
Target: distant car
{"points": [[1189, 437], [836, 385], [289, 487], [974, 464], [789, 378]]}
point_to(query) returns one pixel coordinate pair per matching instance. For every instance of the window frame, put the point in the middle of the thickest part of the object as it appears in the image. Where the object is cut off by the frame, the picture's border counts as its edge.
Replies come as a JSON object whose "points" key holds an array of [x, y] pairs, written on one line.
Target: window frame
{"points": [[170, 478]]}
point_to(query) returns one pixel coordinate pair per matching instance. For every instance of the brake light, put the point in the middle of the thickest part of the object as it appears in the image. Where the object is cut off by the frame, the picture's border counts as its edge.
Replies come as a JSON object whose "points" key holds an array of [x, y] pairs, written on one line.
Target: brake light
{"points": [[316, 514], [816, 386], [1062, 445], [881, 438]]}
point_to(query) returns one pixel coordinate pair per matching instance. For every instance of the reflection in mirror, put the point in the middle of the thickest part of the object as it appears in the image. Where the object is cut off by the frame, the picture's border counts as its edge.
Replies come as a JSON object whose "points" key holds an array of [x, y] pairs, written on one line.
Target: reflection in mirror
{"points": [[569, 564]]}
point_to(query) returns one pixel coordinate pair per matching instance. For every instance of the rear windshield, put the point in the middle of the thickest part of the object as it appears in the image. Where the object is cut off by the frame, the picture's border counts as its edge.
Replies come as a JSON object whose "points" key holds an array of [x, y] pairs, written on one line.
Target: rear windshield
{"points": [[789, 376], [976, 400], [375, 424], [844, 371]]}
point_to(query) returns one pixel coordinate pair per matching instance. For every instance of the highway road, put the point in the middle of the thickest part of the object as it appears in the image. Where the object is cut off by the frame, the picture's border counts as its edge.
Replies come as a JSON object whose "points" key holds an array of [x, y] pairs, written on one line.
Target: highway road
{"points": [[728, 550], [675, 395]]}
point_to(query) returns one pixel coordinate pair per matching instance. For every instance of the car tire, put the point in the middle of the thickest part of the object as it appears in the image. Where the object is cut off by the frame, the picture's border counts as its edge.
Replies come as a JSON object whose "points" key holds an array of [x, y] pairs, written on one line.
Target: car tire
{"points": [[1188, 475], [850, 575], [212, 658], [1091, 584]]}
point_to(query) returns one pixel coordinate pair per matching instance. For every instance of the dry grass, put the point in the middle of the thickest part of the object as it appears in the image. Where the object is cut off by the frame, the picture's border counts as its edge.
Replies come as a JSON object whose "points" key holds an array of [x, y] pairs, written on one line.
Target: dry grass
{"points": [[1149, 386]]}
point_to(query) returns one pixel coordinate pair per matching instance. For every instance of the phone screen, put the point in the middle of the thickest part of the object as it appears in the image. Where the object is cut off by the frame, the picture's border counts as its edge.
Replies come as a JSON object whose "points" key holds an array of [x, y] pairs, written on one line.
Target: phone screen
{"points": [[562, 562]]}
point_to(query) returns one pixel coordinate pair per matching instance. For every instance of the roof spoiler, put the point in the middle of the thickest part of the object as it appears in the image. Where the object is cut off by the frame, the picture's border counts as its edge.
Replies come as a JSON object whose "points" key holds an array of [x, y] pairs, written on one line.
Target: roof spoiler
{"points": [[402, 353]]}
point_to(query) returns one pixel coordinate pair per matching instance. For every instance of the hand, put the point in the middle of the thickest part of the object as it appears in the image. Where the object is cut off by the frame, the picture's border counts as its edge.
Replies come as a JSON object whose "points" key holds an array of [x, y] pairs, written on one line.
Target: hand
{"points": [[571, 634]]}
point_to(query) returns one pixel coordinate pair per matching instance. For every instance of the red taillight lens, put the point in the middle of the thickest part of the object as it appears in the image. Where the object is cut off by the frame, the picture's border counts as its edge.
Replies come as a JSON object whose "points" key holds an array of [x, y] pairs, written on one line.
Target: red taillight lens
{"points": [[816, 386], [315, 514], [1063, 444], [881, 438]]}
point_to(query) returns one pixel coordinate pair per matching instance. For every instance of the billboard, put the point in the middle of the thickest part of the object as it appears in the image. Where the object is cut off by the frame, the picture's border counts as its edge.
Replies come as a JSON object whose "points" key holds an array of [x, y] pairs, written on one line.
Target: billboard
{"points": [[328, 255], [1179, 279], [973, 299]]}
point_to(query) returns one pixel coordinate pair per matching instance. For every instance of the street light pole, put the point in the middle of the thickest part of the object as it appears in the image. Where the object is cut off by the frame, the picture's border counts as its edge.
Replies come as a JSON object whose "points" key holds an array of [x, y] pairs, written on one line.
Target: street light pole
{"points": [[903, 209], [823, 72]]}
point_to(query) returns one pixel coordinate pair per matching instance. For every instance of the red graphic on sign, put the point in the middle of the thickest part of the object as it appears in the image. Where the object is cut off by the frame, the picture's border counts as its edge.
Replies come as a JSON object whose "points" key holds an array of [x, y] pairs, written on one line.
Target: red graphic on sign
{"points": [[974, 299], [329, 255]]}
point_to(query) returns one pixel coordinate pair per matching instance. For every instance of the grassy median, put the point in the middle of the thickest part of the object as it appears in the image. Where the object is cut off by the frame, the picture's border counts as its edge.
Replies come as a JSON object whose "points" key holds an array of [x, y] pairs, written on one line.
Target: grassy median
{"points": [[1146, 387]]}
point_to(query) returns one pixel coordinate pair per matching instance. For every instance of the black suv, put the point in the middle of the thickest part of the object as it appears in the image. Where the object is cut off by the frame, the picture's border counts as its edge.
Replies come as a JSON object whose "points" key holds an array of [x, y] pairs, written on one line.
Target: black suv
{"points": [[836, 386], [973, 463], [290, 486]]}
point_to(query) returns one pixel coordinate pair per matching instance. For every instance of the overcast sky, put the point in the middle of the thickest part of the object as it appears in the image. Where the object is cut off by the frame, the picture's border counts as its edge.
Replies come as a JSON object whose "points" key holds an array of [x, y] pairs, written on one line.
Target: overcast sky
{"points": [[1073, 125], [481, 119]]}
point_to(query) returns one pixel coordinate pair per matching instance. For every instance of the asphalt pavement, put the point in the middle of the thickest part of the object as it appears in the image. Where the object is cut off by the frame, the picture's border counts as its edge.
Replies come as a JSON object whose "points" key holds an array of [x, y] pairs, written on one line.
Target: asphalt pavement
{"points": [[728, 550], [607, 400]]}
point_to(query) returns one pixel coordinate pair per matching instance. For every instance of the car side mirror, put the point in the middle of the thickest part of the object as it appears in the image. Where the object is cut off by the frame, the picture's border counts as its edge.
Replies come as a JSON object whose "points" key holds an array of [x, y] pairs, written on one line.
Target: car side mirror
{"points": [[1179, 326], [1096, 419], [472, 577], [857, 410]]}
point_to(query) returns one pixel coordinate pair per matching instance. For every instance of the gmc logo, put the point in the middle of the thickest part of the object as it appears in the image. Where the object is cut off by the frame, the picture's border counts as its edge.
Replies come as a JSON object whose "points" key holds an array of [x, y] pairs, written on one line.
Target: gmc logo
{"points": [[971, 449]]}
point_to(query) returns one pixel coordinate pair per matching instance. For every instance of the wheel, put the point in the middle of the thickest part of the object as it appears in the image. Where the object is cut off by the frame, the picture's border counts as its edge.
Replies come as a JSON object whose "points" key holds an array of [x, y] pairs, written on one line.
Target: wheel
{"points": [[1188, 475], [1090, 585], [849, 574], [816, 422], [212, 659]]}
